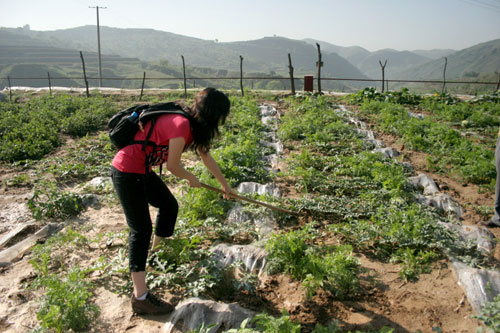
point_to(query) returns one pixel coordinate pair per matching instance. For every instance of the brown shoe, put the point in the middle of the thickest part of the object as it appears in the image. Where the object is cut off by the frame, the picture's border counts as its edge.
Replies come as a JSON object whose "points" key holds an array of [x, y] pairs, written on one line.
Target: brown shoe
{"points": [[151, 305]]}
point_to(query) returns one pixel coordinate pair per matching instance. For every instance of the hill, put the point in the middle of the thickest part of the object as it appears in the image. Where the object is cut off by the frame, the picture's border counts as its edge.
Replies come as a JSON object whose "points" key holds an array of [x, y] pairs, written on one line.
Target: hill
{"points": [[469, 62], [368, 62], [434, 53], [263, 57], [354, 54], [127, 53], [396, 61], [24, 56], [273, 51]]}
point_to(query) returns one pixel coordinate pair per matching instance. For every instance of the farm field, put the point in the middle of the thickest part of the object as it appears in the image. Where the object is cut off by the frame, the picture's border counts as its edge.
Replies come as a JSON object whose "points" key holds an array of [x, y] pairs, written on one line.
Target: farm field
{"points": [[368, 251]]}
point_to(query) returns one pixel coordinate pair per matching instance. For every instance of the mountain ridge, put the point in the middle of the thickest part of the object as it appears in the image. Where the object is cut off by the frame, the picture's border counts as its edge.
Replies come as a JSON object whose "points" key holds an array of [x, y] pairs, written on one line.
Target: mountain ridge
{"points": [[143, 48]]}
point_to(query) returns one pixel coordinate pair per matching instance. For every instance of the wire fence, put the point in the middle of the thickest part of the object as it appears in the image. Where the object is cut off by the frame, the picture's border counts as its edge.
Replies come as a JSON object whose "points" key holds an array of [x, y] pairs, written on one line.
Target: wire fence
{"points": [[248, 78], [307, 79], [230, 78]]}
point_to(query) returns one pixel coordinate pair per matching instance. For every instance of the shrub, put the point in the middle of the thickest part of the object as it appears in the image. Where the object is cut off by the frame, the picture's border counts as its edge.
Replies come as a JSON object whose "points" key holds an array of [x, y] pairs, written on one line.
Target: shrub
{"points": [[66, 304], [49, 202], [490, 315], [267, 323], [332, 268], [32, 130]]}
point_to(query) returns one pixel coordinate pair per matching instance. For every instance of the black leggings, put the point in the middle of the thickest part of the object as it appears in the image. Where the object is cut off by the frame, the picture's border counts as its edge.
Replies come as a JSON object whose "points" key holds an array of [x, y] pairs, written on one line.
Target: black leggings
{"points": [[136, 192]]}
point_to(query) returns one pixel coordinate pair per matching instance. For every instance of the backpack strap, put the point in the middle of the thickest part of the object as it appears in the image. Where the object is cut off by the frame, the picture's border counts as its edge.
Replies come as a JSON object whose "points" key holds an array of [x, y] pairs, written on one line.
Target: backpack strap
{"points": [[151, 115]]}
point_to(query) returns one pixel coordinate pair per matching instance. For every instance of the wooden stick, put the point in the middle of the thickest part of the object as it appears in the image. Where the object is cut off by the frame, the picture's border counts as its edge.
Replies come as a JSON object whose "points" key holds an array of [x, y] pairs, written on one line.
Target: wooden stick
{"points": [[85, 74], [282, 210], [383, 73], [50, 84], [290, 67], [184, 73], [142, 86], [319, 64], [13, 253], [10, 89], [444, 75], [241, 76]]}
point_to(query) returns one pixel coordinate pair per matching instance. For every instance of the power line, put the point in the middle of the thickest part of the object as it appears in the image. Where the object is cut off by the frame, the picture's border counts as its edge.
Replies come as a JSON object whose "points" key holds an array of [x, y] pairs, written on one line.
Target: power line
{"points": [[487, 4], [479, 3]]}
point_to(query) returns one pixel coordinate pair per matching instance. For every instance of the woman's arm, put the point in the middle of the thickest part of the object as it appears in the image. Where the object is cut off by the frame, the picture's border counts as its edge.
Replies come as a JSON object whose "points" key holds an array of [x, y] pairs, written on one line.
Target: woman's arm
{"points": [[214, 169], [175, 149]]}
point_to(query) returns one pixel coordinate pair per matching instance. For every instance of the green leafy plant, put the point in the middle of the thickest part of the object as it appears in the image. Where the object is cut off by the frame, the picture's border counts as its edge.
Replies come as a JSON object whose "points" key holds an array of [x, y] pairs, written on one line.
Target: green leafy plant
{"points": [[332, 268], [243, 328], [414, 264], [453, 152], [33, 129], [490, 315], [267, 323], [66, 303], [50, 202], [19, 180]]}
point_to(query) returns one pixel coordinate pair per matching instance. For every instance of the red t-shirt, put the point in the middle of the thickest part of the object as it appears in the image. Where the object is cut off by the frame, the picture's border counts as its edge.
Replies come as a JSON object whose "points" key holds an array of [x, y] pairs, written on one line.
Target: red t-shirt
{"points": [[132, 158]]}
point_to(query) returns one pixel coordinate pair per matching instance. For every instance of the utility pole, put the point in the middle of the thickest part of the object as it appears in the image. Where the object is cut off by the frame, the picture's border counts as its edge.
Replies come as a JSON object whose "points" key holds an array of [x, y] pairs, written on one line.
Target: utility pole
{"points": [[99, 44]]}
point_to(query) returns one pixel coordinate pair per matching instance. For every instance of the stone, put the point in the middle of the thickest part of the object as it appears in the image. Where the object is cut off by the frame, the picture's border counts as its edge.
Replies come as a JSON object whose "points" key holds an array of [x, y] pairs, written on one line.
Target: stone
{"points": [[99, 182]]}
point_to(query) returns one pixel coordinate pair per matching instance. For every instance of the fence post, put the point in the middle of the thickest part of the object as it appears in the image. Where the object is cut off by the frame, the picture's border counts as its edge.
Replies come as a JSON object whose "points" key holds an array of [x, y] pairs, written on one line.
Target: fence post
{"points": [[383, 73], [10, 89], [85, 74], [290, 67], [498, 83], [50, 84], [184, 73], [444, 74], [241, 76], [319, 64], [142, 86]]}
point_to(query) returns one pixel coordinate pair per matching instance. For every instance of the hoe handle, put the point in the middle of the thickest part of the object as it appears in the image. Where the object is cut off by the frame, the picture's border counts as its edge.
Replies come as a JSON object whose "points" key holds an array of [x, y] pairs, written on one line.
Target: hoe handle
{"points": [[236, 196]]}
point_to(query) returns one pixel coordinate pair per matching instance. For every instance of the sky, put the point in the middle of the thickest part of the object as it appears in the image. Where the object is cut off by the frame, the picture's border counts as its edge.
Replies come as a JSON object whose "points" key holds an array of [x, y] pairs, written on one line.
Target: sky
{"points": [[372, 24]]}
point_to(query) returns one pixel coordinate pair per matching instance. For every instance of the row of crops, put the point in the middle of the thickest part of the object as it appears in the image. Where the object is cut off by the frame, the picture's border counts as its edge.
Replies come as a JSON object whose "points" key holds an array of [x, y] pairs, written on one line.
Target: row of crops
{"points": [[348, 196]]}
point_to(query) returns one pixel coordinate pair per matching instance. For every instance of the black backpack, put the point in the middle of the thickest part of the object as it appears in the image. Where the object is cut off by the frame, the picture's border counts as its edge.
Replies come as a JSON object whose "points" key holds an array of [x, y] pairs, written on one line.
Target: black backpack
{"points": [[124, 125]]}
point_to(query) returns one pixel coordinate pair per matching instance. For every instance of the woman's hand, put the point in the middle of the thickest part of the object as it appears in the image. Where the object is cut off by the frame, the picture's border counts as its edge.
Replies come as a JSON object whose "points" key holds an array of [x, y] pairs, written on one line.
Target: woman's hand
{"points": [[228, 192]]}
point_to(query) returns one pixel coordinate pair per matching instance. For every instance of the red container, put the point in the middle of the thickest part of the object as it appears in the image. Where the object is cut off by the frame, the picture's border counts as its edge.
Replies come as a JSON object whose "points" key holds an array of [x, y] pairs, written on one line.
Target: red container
{"points": [[308, 83]]}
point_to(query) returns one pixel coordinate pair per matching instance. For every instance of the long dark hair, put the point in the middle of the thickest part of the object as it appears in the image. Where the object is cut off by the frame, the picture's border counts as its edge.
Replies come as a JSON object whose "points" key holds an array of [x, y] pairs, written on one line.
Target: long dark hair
{"points": [[210, 109]]}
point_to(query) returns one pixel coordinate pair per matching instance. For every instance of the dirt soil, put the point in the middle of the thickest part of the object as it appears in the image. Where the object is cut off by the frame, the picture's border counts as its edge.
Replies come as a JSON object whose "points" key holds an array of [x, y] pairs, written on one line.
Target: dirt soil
{"points": [[435, 300]]}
